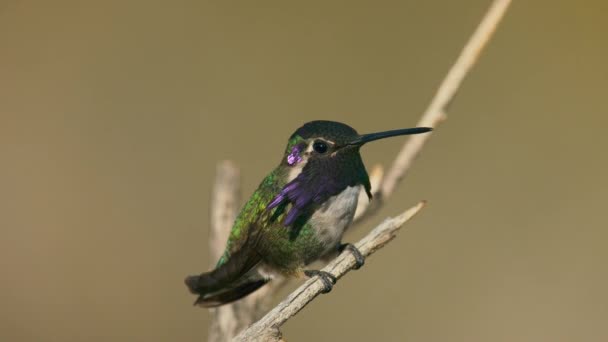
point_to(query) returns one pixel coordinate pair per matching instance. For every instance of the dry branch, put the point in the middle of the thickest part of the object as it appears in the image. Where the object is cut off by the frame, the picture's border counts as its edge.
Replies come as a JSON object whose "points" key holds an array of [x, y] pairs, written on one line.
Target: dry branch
{"points": [[229, 319], [224, 205], [267, 329], [437, 109]]}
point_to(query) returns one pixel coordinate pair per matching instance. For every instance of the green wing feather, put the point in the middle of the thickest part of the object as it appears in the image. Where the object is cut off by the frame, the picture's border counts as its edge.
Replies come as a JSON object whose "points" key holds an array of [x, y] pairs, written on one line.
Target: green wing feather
{"points": [[253, 215], [260, 231]]}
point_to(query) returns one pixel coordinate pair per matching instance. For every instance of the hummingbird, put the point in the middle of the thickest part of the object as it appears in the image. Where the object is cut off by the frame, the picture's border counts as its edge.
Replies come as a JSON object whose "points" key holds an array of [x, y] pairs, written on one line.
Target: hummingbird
{"points": [[297, 215]]}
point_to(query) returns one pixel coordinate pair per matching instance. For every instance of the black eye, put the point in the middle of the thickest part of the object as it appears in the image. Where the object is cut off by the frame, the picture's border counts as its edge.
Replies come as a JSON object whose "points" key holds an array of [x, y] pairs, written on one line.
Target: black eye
{"points": [[319, 146]]}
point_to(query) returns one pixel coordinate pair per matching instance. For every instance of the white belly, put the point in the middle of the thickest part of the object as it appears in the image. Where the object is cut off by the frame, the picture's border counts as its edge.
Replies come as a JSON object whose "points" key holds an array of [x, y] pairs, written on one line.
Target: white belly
{"points": [[334, 216]]}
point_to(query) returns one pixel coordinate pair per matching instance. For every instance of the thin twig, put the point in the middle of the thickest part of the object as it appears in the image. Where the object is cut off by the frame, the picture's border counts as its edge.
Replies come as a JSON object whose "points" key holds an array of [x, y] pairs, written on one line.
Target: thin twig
{"points": [[437, 109], [228, 320], [224, 205], [267, 329]]}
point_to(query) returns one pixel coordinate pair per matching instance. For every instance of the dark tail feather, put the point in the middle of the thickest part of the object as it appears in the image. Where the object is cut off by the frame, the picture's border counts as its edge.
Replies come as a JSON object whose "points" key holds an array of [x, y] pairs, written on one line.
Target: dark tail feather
{"points": [[228, 282], [216, 288], [229, 294], [233, 279]]}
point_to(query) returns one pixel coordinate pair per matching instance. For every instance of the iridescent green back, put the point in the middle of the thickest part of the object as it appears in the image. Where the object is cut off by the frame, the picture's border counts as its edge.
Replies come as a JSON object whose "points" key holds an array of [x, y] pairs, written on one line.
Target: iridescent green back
{"points": [[283, 248], [251, 214]]}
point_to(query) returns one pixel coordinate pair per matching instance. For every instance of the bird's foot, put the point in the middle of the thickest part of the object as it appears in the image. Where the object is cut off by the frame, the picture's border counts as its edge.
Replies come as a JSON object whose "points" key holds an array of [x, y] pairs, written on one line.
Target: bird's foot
{"points": [[359, 258], [327, 278]]}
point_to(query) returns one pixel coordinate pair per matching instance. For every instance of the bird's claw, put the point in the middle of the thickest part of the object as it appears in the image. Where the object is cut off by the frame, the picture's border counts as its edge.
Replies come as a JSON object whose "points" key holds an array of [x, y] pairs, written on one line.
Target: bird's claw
{"points": [[327, 278], [359, 258]]}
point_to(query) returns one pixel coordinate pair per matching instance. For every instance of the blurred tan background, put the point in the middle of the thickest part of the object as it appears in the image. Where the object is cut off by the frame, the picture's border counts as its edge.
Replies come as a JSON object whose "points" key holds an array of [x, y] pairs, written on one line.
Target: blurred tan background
{"points": [[114, 114]]}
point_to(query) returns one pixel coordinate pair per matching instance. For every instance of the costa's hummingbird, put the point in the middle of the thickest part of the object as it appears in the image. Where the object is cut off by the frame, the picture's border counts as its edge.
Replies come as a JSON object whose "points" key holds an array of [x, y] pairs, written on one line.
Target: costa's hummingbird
{"points": [[297, 215]]}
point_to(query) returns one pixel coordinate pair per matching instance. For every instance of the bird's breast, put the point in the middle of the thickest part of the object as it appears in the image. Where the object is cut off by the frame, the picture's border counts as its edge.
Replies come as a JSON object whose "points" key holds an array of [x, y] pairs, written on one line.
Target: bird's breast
{"points": [[334, 216]]}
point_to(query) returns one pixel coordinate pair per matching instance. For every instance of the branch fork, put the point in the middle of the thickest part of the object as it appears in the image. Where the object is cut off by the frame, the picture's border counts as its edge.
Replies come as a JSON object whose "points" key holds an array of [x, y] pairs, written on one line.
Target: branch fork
{"points": [[228, 320]]}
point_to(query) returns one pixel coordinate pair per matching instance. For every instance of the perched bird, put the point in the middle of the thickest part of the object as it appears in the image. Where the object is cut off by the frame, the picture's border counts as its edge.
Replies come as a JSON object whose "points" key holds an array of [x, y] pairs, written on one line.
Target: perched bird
{"points": [[297, 215]]}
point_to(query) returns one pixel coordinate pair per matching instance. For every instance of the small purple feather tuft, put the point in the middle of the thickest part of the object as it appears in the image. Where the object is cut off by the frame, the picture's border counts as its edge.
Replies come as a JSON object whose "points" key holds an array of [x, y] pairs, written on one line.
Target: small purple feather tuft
{"points": [[276, 201], [282, 196], [292, 215], [294, 157]]}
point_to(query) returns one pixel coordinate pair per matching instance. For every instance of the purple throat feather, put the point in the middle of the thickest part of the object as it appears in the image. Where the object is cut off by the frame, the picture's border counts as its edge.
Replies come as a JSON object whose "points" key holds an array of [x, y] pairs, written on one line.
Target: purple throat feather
{"points": [[294, 157], [290, 191]]}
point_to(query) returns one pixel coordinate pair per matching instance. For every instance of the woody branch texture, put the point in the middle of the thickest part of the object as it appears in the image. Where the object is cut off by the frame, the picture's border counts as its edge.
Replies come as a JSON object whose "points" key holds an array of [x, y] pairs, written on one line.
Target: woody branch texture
{"points": [[243, 321]]}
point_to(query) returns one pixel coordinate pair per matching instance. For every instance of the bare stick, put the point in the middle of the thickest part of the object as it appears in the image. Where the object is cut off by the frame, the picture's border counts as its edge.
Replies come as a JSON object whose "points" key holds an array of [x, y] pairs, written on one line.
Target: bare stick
{"points": [[228, 320], [437, 109], [267, 329], [242, 313], [224, 206]]}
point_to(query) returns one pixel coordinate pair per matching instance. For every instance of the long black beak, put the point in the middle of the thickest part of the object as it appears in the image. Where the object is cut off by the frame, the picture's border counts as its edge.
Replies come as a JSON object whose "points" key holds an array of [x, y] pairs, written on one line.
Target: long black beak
{"points": [[365, 138]]}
